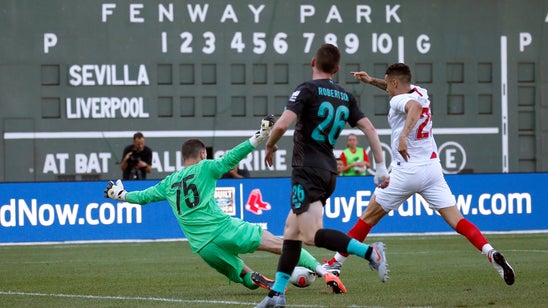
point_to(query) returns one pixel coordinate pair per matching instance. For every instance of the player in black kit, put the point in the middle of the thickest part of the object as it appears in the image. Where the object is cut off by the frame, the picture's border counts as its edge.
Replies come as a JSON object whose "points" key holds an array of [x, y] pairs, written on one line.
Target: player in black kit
{"points": [[321, 108]]}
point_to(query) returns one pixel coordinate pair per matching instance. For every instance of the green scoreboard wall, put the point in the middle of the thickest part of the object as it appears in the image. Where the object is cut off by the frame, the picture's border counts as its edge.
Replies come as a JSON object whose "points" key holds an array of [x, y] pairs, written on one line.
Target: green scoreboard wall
{"points": [[78, 78]]}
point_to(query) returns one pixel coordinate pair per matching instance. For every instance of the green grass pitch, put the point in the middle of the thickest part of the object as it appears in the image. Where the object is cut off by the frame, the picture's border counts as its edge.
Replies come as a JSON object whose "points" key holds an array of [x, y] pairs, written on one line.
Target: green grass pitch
{"points": [[433, 271]]}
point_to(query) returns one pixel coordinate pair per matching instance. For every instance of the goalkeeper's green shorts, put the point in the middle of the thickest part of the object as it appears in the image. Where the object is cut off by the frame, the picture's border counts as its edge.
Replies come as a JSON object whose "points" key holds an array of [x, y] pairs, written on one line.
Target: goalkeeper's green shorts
{"points": [[222, 253]]}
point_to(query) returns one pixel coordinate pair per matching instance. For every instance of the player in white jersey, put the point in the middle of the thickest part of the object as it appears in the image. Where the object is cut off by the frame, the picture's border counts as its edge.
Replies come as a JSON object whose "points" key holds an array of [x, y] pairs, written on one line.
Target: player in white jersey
{"points": [[420, 141], [415, 168]]}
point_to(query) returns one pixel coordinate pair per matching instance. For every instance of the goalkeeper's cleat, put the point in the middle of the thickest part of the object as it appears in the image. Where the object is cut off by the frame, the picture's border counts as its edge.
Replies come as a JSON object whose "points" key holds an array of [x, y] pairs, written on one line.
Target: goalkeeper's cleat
{"points": [[334, 268], [262, 281], [276, 301], [334, 283], [378, 262], [501, 266]]}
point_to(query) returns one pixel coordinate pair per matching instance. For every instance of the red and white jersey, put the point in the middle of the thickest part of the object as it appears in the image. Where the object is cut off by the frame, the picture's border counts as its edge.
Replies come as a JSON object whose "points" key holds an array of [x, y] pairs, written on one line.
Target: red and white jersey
{"points": [[421, 144]]}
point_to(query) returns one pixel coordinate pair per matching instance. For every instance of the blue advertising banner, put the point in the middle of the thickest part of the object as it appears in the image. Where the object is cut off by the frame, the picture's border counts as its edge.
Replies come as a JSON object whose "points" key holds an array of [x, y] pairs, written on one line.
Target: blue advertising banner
{"points": [[77, 211]]}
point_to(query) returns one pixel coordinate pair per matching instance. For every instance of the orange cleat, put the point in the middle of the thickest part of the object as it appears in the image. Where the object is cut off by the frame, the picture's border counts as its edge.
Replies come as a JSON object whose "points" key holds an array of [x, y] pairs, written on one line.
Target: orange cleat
{"points": [[334, 283]]}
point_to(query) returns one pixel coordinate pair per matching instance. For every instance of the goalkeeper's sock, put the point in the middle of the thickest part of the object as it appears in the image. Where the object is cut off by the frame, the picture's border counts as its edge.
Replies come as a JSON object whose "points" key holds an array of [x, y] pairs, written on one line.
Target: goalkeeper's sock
{"points": [[307, 260], [247, 282]]}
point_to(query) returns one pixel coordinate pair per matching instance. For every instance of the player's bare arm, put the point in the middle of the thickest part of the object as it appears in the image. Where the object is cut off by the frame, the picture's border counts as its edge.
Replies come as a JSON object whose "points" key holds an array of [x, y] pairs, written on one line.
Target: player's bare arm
{"points": [[279, 129], [364, 77], [413, 110]]}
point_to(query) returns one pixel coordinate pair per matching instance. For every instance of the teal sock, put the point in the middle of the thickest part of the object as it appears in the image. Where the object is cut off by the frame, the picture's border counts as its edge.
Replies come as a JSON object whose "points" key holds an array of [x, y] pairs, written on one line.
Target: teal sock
{"points": [[281, 282], [357, 248]]}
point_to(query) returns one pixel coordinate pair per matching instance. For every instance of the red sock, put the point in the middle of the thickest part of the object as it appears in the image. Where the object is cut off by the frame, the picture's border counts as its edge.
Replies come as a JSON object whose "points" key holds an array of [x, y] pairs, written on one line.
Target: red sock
{"points": [[472, 233], [359, 232]]}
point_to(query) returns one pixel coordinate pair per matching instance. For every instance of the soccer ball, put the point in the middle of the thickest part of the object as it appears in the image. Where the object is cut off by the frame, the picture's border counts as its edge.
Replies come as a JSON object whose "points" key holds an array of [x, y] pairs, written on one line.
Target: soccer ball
{"points": [[302, 277]]}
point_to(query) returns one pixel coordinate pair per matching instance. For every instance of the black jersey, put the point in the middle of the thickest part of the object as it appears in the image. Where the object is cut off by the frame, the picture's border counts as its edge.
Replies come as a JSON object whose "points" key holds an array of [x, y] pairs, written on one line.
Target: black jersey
{"points": [[323, 108]]}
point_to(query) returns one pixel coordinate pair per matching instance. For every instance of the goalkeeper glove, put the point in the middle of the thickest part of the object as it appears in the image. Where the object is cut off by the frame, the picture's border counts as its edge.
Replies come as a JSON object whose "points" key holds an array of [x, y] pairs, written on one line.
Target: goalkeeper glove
{"points": [[115, 191], [266, 127], [381, 174]]}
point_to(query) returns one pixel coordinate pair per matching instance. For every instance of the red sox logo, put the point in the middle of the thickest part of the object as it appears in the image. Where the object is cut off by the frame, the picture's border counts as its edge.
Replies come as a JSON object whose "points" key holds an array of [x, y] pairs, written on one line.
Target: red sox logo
{"points": [[255, 203]]}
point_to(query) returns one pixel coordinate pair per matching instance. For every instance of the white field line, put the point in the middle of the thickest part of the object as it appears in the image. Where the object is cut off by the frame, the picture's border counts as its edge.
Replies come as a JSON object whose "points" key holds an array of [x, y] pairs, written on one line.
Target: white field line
{"points": [[126, 298], [151, 299]]}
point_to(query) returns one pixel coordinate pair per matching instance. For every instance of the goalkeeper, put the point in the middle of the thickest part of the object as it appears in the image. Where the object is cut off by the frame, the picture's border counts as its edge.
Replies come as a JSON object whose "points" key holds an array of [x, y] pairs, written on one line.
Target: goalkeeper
{"points": [[218, 238]]}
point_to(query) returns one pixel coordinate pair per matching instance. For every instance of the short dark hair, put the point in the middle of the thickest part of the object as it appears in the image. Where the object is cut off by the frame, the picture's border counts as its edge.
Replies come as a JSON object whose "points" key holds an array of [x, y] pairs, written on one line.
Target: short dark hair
{"points": [[327, 58], [192, 148], [138, 135], [400, 71]]}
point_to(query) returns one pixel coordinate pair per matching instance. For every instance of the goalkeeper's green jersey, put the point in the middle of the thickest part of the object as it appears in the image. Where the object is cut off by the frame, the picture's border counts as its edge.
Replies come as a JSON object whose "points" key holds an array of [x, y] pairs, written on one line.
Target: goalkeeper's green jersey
{"points": [[190, 193]]}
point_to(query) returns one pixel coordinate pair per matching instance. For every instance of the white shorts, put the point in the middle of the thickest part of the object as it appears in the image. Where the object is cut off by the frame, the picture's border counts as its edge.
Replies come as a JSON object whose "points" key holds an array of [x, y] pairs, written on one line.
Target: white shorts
{"points": [[425, 179]]}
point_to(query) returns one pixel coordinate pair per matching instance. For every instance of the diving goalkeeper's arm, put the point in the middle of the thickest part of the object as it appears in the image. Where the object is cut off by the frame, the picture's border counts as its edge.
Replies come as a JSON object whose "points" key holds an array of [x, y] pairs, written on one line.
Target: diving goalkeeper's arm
{"points": [[116, 191]]}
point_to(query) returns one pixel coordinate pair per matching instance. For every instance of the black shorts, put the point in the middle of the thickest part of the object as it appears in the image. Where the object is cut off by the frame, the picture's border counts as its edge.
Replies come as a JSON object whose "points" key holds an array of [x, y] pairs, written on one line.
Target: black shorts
{"points": [[309, 185]]}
